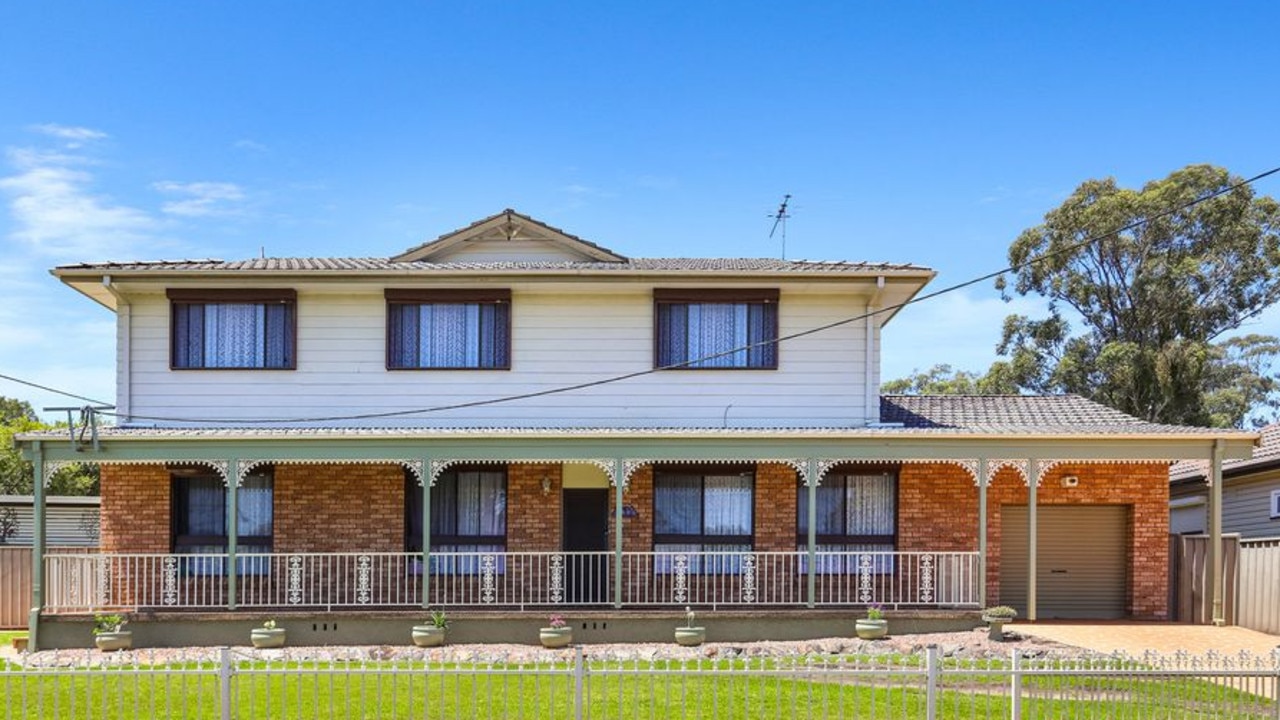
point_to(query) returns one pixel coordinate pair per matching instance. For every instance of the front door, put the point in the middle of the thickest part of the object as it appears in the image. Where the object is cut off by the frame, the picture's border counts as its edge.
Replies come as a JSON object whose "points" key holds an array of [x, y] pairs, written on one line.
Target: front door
{"points": [[586, 529]]}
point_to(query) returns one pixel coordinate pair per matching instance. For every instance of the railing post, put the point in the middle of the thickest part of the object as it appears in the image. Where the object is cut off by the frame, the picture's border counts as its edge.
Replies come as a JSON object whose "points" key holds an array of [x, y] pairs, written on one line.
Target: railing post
{"points": [[811, 575], [233, 529], [579, 680], [931, 682], [37, 546], [1015, 686], [426, 480], [619, 481], [225, 670], [982, 532]]}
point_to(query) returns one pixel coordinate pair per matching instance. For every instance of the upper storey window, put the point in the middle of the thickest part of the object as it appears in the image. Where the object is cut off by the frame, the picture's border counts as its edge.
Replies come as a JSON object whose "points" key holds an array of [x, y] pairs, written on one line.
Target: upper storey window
{"points": [[232, 329], [716, 329], [449, 329]]}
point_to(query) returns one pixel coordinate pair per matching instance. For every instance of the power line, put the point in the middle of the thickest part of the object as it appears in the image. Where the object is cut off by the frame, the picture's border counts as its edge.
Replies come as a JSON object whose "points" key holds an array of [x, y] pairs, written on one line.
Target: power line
{"points": [[641, 373], [38, 386]]}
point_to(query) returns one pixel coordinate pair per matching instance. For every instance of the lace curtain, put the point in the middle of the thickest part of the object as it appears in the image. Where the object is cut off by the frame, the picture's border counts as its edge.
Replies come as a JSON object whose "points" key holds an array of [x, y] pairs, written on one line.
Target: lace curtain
{"points": [[448, 335]]}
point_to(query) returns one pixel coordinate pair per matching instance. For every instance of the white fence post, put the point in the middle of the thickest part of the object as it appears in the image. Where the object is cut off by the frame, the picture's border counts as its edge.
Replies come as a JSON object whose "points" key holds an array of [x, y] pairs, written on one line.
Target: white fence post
{"points": [[224, 682], [1015, 686], [931, 682], [579, 678]]}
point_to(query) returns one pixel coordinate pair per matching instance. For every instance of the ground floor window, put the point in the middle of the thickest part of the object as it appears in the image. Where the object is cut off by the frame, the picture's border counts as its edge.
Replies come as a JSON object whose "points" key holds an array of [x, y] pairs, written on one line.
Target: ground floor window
{"points": [[468, 518], [199, 521], [856, 513], [706, 512]]}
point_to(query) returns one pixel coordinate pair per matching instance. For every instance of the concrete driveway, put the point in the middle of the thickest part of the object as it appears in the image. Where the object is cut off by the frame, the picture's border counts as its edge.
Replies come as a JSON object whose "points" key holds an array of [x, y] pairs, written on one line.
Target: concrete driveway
{"points": [[1135, 638]]}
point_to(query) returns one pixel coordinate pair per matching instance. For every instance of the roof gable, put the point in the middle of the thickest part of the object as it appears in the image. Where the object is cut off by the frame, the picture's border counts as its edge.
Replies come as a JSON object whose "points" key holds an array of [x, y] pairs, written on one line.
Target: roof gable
{"points": [[509, 236]]}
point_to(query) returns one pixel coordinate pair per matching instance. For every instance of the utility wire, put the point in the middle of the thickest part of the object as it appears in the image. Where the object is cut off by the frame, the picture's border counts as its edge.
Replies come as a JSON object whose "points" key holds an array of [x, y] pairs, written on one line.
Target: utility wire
{"points": [[675, 366], [38, 386]]}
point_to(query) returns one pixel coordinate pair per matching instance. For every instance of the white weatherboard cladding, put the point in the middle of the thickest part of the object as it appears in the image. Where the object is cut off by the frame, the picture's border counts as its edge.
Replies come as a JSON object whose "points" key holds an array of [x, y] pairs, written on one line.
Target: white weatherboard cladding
{"points": [[559, 338]]}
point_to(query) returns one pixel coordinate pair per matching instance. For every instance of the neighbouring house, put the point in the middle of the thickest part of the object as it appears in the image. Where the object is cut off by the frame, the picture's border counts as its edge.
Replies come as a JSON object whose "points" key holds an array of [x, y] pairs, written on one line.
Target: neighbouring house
{"points": [[511, 418], [70, 521], [1250, 493]]}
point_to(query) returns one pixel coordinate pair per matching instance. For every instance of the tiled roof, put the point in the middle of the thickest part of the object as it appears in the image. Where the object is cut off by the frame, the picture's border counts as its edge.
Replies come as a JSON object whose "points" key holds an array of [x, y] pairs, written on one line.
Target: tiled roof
{"points": [[1268, 453], [996, 414], [1063, 416], [374, 265]]}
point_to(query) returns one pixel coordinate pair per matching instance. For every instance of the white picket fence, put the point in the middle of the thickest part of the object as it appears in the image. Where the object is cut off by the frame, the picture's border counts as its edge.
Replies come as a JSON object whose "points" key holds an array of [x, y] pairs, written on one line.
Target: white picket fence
{"points": [[574, 684]]}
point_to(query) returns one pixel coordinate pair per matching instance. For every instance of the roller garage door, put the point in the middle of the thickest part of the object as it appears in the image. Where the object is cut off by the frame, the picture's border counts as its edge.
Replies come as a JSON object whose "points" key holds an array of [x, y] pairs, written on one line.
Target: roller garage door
{"points": [[1082, 557]]}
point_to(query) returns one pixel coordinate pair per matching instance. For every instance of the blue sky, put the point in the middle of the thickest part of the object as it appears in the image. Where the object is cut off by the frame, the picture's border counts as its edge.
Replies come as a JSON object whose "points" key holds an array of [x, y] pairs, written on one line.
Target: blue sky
{"points": [[915, 132]]}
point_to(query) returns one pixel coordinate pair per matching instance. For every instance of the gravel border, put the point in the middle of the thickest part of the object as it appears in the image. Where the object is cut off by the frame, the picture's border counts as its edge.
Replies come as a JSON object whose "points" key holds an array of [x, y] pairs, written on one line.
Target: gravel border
{"points": [[972, 644]]}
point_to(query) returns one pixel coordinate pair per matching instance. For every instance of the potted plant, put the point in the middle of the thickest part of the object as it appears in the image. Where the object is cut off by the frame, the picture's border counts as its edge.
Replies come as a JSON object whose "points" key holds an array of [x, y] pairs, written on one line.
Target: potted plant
{"points": [[873, 626], [689, 635], [996, 617], [108, 635], [431, 634], [267, 636], [557, 634]]}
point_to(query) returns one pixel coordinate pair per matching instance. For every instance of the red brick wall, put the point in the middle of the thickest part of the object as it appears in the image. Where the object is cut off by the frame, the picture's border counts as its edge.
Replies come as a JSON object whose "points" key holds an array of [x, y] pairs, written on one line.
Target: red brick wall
{"points": [[533, 519], [135, 508], [339, 508], [776, 499], [938, 509], [637, 532], [1144, 487]]}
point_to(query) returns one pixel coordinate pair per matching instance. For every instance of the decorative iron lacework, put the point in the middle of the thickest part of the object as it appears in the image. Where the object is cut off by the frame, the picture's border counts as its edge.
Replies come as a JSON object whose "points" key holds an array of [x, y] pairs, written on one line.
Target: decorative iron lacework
{"points": [[1019, 466], [969, 465], [439, 466], [926, 578], [555, 584], [629, 467], [244, 467], [749, 578]]}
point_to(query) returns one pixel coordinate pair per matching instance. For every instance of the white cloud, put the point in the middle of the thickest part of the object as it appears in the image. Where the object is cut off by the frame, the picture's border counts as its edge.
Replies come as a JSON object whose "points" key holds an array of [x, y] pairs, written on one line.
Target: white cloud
{"points": [[250, 145], [56, 211], [200, 199], [74, 136]]}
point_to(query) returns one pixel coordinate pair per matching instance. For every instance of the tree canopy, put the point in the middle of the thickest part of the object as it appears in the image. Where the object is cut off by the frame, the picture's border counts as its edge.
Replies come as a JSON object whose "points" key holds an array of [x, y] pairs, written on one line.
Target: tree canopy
{"points": [[16, 476], [1152, 300]]}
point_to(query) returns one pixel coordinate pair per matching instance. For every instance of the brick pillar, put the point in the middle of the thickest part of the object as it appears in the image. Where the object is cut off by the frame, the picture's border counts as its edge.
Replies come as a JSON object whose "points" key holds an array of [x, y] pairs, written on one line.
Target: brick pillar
{"points": [[533, 519], [775, 507]]}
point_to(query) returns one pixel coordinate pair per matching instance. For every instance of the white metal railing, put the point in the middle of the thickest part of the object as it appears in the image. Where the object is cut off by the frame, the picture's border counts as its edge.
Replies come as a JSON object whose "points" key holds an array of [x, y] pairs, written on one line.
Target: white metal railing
{"points": [[86, 582], [576, 683]]}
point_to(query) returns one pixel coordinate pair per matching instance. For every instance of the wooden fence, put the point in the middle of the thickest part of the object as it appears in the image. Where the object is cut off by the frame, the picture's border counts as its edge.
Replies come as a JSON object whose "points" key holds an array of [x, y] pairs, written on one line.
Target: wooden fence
{"points": [[1190, 578], [1258, 606], [15, 583]]}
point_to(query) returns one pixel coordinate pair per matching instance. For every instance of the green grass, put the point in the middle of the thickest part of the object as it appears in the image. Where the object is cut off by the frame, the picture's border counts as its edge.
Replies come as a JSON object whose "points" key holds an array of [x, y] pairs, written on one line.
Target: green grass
{"points": [[7, 636], [643, 690]]}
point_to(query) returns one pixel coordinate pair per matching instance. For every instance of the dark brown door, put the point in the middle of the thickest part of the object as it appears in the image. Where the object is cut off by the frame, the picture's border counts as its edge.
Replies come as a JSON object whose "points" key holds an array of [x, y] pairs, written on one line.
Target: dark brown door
{"points": [[586, 529]]}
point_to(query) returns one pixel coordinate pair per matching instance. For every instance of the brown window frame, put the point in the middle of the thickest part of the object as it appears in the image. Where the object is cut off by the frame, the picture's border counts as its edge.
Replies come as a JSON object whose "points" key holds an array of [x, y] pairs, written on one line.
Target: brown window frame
{"points": [[218, 296], [689, 296], [439, 296]]}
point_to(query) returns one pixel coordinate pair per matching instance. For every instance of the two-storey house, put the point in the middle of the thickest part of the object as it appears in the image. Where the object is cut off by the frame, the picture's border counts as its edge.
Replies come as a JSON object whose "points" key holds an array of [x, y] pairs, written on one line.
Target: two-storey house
{"points": [[510, 419]]}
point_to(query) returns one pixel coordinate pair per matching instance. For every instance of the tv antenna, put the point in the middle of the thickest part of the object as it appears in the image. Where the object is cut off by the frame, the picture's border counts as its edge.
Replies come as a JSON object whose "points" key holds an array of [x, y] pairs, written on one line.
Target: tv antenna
{"points": [[780, 218]]}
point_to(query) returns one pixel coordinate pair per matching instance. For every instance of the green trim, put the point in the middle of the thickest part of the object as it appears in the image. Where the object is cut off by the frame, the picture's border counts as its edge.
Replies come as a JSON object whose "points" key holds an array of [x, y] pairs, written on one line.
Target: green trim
{"points": [[745, 449]]}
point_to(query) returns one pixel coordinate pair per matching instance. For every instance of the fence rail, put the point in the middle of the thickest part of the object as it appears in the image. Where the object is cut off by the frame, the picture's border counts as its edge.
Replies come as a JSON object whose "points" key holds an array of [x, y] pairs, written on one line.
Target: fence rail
{"points": [[84, 583], [575, 684]]}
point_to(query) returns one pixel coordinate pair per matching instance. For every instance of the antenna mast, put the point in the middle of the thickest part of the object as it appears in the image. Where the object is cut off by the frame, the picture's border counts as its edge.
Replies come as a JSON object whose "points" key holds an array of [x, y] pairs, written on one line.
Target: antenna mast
{"points": [[780, 218]]}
